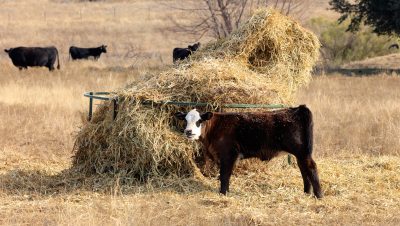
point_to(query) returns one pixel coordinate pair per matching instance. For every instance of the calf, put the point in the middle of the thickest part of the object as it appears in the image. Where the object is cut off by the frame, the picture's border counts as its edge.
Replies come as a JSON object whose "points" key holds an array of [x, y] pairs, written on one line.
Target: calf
{"points": [[24, 57], [183, 53], [77, 53], [227, 136]]}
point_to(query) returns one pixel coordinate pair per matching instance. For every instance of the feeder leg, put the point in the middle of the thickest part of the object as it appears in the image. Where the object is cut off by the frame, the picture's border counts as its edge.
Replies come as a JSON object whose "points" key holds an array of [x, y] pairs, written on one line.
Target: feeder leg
{"points": [[90, 106], [115, 108]]}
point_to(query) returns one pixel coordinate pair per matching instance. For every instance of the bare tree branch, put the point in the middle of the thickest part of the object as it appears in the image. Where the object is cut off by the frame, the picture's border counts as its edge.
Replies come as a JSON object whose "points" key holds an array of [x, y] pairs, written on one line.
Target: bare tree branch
{"points": [[221, 17], [242, 8], [225, 16]]}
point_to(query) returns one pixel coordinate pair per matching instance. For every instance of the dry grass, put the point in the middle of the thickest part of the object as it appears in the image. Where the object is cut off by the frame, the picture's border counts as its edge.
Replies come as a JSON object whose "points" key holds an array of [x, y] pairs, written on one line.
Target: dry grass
{"points": [[50, 102], [128, 28], [356, 147], [361, 184], [321, 8], [135, 31], [359, 114]]}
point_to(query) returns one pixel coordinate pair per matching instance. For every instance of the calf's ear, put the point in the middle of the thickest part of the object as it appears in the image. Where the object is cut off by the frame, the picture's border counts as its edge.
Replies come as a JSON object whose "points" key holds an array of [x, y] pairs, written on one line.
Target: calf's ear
{"points": [[6, 50], [180, 115], [206, 116]]}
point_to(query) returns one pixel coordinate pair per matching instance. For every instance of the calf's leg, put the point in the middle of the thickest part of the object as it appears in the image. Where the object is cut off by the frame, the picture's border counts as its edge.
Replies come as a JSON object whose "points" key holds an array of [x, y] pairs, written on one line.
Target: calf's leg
{"points": [[310, 168], [225, 172], [306, 180]]}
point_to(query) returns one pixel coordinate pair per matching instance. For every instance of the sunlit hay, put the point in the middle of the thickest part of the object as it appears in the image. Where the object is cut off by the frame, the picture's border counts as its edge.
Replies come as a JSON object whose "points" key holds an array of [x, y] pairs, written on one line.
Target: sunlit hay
{"points": [[264, 62], [113, 146], [272, 45], [214, 81]]}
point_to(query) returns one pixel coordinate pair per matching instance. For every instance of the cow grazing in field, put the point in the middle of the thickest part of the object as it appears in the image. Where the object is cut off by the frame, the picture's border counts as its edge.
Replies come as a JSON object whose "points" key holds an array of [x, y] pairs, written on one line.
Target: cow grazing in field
{"points": [[183, 53], [228, 136], [394, 46], [24, 57], [77, 53]]}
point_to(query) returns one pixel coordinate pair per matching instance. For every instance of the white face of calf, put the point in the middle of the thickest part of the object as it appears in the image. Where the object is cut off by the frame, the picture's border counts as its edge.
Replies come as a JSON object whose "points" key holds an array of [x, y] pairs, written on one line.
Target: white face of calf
{"points": [[193, 123]]}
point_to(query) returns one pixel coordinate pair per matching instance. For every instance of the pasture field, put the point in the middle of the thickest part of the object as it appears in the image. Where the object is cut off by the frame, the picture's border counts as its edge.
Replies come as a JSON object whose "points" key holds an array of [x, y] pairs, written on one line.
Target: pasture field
{"points": [[356, 149], [357, 135], [136, 31]]}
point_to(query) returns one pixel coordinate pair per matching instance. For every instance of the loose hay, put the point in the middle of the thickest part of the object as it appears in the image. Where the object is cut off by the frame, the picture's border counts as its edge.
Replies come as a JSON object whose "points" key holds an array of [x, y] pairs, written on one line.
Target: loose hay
{"points": [[264, 61]]}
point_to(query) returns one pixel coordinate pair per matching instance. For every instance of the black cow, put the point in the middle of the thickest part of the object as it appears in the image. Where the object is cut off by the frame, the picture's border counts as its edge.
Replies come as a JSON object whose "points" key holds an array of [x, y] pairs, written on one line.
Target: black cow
{"points": [[228, 136], [84, 53], [24, 57], [183, 53]]}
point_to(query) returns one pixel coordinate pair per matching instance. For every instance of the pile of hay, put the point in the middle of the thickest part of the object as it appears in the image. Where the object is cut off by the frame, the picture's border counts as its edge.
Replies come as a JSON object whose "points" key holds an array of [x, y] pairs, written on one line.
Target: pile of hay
{"points": [[265, 61]]}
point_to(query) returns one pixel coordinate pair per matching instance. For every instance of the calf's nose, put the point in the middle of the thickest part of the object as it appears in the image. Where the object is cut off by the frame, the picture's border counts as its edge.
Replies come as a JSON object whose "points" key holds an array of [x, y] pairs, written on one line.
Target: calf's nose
{"points": [[188, 132]]}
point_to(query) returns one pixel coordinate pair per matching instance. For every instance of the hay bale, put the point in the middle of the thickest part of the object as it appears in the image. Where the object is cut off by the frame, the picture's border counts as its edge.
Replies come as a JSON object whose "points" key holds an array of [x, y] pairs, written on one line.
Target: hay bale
{"points": [[264, 61]]}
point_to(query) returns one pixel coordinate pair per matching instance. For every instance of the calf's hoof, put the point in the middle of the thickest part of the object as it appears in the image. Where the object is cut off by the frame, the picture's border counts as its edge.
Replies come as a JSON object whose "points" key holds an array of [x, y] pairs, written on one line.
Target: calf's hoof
{"points": [[319, 195]]}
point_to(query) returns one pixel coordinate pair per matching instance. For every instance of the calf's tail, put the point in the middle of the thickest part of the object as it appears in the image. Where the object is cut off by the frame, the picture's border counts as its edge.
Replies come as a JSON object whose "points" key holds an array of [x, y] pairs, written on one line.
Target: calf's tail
{"points": [[308, 128]]}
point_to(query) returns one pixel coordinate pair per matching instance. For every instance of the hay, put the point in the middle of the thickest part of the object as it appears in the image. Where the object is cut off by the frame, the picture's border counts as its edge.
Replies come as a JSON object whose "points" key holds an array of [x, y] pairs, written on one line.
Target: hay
{"points": [[264, 61]]}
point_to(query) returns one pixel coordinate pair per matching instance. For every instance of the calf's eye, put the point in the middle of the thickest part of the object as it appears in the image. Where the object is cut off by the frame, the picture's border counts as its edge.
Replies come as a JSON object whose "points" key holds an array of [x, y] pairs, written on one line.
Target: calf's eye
{"points": [[198, 123]]}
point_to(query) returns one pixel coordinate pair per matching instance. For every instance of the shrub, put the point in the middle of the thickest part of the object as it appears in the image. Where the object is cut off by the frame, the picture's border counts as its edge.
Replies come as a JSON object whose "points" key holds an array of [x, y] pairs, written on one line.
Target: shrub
{"points": [[339, 46]]}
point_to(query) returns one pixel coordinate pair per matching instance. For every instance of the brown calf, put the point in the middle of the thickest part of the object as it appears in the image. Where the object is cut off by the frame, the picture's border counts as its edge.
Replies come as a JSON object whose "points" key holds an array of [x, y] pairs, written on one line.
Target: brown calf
{"points": [[228, 136]]}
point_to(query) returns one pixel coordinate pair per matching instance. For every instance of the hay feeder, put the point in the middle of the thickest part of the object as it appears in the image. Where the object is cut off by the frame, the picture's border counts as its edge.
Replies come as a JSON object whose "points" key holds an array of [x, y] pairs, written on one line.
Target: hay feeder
{"points": [[262, 63], [108, 96]]}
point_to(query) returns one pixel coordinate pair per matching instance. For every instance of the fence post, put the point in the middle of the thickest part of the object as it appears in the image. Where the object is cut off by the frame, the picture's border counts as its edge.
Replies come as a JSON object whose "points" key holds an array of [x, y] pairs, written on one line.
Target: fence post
{"points": [[90, 106]]}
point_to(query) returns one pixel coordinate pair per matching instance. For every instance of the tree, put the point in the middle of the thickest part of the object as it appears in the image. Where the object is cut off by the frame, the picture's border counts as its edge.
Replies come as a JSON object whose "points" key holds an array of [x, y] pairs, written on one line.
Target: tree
{"points": [[218, 18], [382, 15]]}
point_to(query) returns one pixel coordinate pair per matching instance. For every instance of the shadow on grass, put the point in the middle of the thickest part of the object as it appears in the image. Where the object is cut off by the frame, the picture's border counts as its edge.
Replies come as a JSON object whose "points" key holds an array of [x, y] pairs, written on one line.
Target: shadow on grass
{"points": [[362, 71], [23, 182]]}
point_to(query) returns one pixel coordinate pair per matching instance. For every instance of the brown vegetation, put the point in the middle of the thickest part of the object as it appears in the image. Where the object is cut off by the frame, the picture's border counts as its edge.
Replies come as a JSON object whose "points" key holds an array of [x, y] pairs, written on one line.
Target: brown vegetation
{"points": [[356, 130], [357, 139]]}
